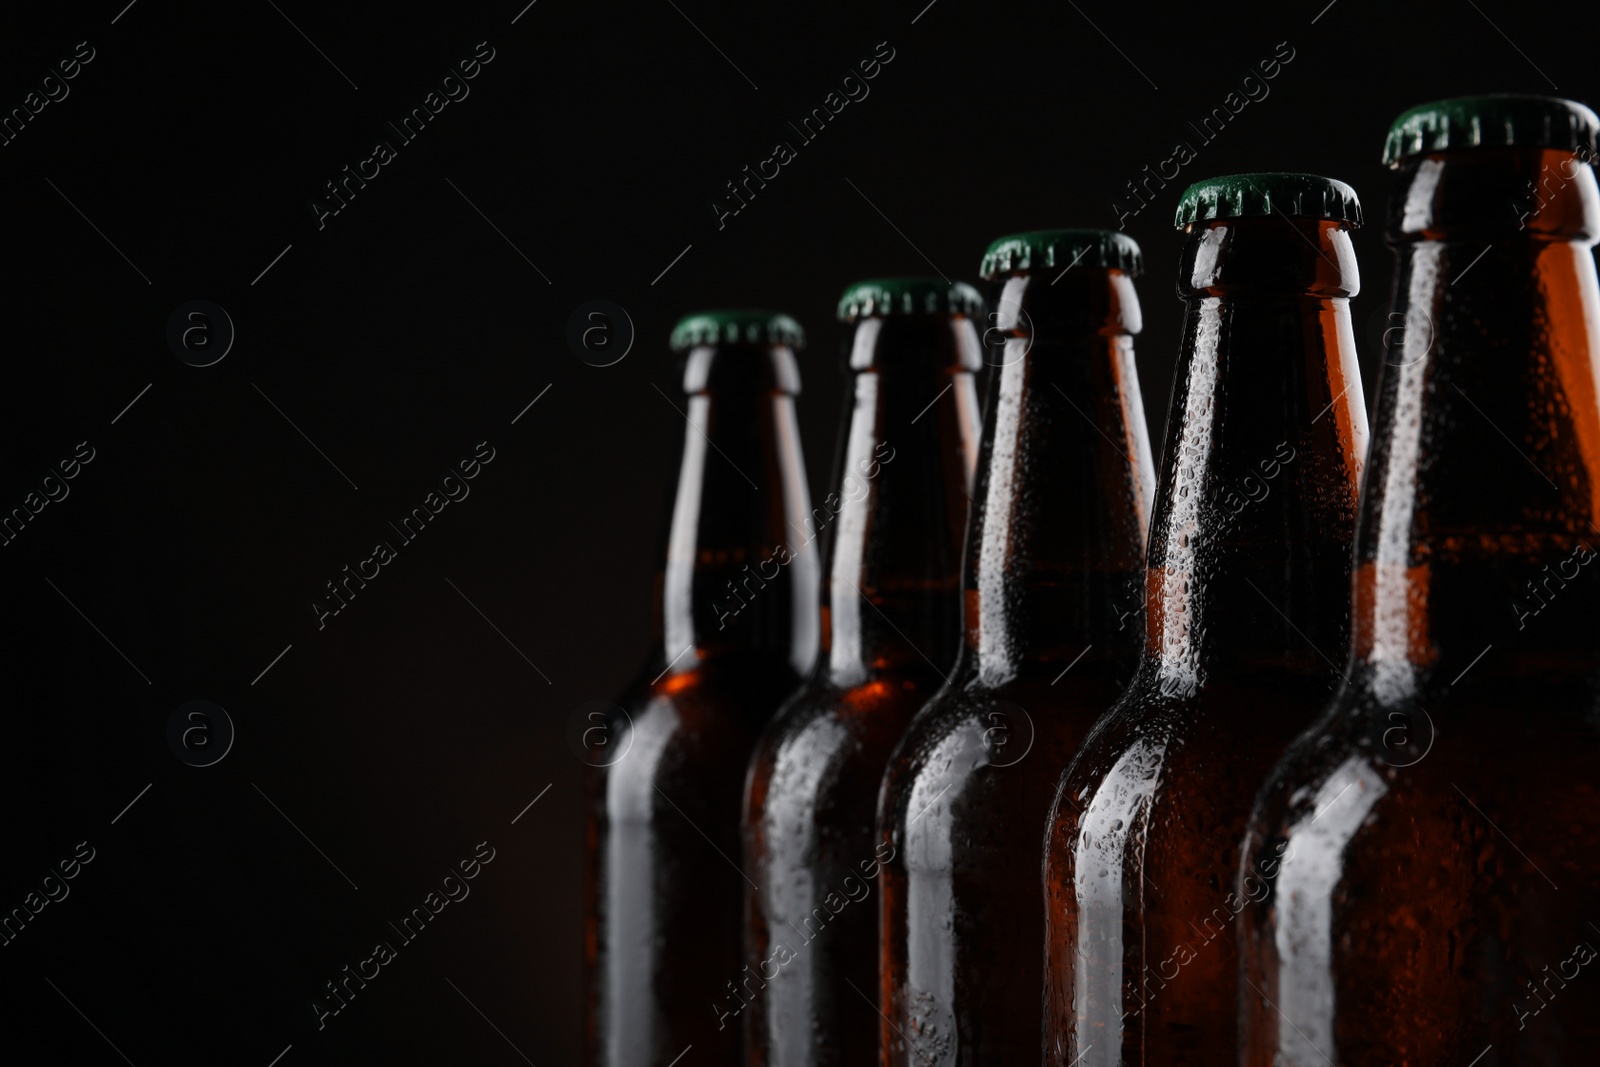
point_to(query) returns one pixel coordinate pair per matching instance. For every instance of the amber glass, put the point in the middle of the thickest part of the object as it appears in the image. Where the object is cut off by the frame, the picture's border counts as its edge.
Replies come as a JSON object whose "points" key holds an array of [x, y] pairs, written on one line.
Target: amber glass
{"points": [[1428, 857], [892, 623], [1247, 621], [737, 627], [1055, 540]]}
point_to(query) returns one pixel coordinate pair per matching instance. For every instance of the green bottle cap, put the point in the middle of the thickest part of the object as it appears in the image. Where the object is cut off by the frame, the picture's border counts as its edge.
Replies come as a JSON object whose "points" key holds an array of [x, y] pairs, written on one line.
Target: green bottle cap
{"points": [[877, 297], [1052, 250], [1237, 196], [1494, 121], [742, 325]]}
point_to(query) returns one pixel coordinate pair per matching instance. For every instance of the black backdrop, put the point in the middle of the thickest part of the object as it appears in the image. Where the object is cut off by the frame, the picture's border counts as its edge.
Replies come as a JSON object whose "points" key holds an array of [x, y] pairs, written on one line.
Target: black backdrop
{"points": [[377, 351]]}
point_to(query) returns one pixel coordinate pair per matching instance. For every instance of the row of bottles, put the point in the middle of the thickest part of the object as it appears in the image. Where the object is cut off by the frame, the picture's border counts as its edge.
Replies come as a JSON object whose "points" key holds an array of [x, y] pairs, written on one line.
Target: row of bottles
{"points": [[1001, 799]]}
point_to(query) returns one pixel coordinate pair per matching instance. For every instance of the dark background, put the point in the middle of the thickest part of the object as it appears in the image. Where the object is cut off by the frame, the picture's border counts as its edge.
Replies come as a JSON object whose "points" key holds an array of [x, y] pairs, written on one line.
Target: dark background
{"points": [[415, 724]]}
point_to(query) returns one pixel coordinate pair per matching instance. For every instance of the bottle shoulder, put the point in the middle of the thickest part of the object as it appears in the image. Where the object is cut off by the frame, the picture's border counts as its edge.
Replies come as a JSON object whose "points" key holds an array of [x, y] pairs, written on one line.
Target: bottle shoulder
{"points": [[758, 683], [1413, 749], [947, 743], [1455, 822], [1157, 712], [1025, 727], [698, 718], [823, 714], [823, 756], [1165, 768]]}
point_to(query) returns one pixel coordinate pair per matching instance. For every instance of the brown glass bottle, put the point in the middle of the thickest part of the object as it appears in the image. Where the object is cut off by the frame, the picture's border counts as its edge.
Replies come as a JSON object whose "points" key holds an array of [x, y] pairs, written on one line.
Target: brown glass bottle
{"points": [[892, 621], [738, 625], [1246, 623], [1054, 544], [1424, 865]]}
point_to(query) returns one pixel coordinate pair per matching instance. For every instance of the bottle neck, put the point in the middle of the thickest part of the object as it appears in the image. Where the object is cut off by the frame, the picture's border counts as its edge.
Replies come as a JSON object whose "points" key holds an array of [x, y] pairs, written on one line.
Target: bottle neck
{"points": [[1061, 505], [1478, 525], [896, 518], [1250, 551], [735, 587]]}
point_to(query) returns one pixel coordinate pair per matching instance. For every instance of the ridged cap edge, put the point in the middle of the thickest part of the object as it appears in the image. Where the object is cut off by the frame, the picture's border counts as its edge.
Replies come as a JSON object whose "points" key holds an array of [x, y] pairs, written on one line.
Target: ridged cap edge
{"points": [[877, 297], [1492, 121], [1236, 196], [1060, 249], [742, 325]]}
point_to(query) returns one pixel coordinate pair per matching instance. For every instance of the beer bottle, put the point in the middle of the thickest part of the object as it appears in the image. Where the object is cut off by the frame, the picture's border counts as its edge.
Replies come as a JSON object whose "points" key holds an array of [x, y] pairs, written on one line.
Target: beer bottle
{"points": [[1246, 626], [1054, 564], [1424, 865], [891, 624], [736, 628]]}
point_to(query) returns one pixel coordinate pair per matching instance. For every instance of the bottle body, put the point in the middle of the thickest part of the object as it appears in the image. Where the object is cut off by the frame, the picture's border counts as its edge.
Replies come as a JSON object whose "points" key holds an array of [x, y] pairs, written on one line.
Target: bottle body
{"points": [[892, 621], [663, 933], [1437, 831], [738, 625], [1246, 625], [1056, 537]]}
